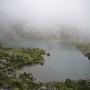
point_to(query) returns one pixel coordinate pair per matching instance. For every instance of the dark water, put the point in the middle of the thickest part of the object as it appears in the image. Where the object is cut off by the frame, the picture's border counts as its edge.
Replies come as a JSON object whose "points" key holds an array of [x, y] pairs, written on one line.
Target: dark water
{"points": [[65, 61]]}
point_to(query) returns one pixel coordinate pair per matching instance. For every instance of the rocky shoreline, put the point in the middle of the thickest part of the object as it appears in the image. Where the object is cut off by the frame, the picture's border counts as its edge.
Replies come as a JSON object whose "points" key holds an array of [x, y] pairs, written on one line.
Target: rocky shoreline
{"points": [[14, 59], [85, 49]]}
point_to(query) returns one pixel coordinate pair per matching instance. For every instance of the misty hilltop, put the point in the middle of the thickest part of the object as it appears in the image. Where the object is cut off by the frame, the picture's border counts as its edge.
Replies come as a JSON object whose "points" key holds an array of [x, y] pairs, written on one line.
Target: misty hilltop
{"points": [[11, 29], [44, 20]]}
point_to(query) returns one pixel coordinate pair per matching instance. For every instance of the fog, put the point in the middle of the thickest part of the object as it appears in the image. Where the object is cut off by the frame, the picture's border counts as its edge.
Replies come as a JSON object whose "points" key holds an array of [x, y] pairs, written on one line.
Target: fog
{"points": [[32, 18]]}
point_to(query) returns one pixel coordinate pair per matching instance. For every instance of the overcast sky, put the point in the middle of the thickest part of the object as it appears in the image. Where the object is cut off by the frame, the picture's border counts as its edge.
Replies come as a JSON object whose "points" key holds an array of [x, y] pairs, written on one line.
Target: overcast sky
{"points": [[49, 13]]}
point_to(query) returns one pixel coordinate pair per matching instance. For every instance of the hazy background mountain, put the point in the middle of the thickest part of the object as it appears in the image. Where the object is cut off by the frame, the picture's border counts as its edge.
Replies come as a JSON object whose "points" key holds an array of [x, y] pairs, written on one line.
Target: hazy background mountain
{"points": [[17, 29], [44, 20]]}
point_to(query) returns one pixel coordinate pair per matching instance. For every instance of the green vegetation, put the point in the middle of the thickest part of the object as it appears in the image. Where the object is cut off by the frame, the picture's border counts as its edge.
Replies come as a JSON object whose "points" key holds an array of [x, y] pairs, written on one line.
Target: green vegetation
{"points": [[14, 59], [85, 49], [68, 84]]}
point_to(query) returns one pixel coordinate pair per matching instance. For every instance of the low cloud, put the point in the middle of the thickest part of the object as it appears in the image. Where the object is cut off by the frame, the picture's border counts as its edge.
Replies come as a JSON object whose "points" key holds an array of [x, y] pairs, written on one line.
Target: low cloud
{"points": [[33, 18]]}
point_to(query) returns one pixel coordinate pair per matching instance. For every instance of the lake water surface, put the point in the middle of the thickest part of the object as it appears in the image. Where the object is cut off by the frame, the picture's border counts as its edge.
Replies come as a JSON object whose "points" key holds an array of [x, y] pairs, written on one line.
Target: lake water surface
{"points": [[65, 61]]}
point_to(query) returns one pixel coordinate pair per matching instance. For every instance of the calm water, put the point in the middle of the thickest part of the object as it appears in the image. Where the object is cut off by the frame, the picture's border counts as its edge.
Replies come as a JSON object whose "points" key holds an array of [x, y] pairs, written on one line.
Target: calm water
{"points": [[65, 61]]}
